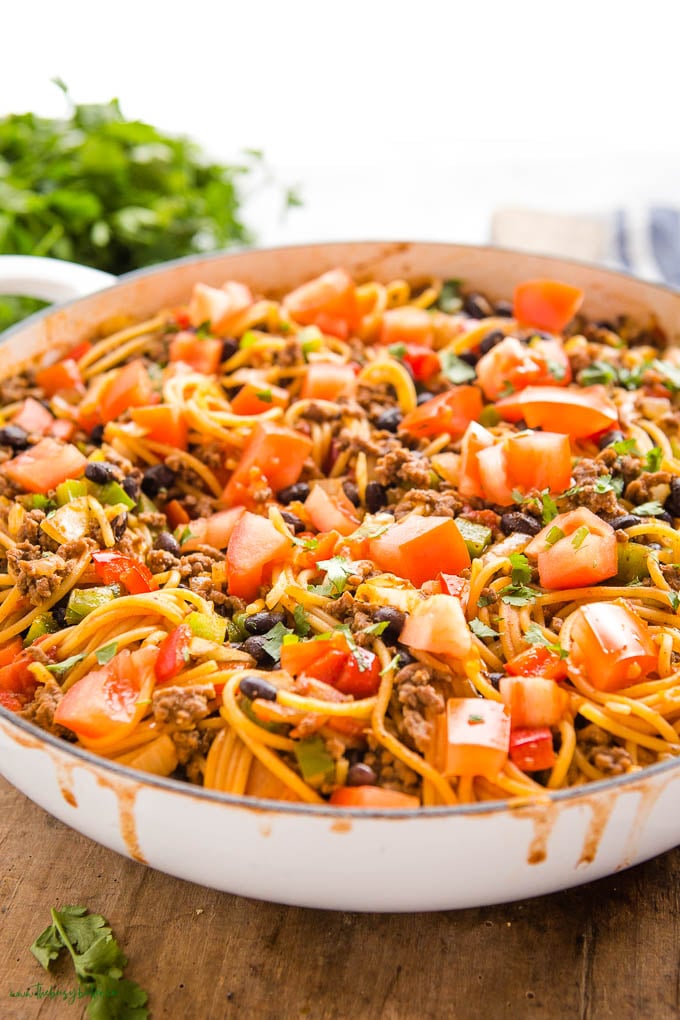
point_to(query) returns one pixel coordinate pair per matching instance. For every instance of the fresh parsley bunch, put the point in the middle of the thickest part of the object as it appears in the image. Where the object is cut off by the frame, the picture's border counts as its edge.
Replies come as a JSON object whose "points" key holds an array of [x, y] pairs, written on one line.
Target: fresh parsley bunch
{"points": [[98, 963], [113, 193]]}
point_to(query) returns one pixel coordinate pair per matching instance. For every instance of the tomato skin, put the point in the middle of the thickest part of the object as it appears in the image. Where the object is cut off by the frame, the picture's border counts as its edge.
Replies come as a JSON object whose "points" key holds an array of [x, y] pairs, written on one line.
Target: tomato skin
{"points": [[220, 306], [253, 399], [533, 701], [407, 325], [361, 679], [546, 304], [104, 703], [423, 362], [472, 738], [538, 460], [43, 466], [419, 548], [577, 412], [476, 438], [328, 301], [531, 750], [449, 412], [333, 662], [493, 473], [164, 423], [327, 380], [537, 660], [65, 375], [611, 646], [273, 453], [11, 702], [215, 530], [329, 509], [131, 387], [10, 651], [372, 798], [203, 354], [34, 417], [437, 625], [15, 678], [254, 543], [451, 584], [566, 565], [521, 365], [115, 568], [173, 653]]}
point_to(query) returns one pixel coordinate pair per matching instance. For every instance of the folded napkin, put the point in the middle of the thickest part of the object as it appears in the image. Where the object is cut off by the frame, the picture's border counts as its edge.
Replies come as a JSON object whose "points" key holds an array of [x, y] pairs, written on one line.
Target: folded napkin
{"points": [[645, 242]]}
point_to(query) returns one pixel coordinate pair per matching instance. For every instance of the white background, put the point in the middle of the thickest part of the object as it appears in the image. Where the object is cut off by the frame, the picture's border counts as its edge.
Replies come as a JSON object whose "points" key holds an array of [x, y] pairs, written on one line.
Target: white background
{"points": [[395, 119]]}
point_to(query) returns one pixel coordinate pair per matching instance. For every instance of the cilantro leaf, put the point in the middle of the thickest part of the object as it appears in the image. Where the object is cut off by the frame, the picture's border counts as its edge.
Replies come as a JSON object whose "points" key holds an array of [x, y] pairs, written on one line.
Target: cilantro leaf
{"points": [[455, 369], [670, 373], [653, 459], [556, 369], [651, 509], [273, 639], [549, 511], [625, 446], [397, 351], [106, 653], [521, 571], [338, 569], [481, 630], [65, 665], [302, 625], [674, 600], [535, 636], [265, 396], [450, 300], [605, 483], [372, 526], [376, 628], [598, 372], [518, 595]]}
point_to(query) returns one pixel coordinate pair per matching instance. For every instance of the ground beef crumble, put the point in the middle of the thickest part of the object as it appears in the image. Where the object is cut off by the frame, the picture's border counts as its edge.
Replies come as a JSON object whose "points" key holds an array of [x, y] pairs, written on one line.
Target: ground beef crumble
{"points": [[41, 711]]}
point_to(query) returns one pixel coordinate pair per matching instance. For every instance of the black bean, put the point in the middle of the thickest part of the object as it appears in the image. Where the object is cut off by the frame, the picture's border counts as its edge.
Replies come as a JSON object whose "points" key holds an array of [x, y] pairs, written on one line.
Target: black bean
{"points": [[354, 754], [97, 435], [495, 680], [131, 486], [14, 436], [423, 397], [351, 491], [229, 348], [613, 436], [376, 497], [389, 419], [395, 620], [118, 525], [100, 472], [490, 340], [477, 306], [469, 357], [257, 687], [624, 521], [293, 521], [580, 722], [523, 524], [157, 477], [168, 543], [405, 657], [260, 623], [665, 517], [254, 646], [361, 775], [59, 613], [538, 334], [298, 492], [672, 504], [504, 309]]}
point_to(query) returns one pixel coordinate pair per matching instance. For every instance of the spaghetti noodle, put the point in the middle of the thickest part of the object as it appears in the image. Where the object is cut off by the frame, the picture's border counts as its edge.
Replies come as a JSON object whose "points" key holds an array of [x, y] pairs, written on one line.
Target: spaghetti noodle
{"points": [[378, 545]]}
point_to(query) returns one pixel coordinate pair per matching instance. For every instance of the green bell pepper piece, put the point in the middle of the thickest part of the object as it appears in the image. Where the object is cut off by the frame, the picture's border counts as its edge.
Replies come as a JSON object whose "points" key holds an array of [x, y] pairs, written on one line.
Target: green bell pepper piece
{"points": [[475, 536], [82, 601], [212, 628]]}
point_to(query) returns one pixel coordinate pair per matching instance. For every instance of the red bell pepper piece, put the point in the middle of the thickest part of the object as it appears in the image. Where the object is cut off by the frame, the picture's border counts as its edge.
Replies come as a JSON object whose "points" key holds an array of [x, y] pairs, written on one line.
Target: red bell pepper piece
{"points": [[173, 653], [115, 568]]}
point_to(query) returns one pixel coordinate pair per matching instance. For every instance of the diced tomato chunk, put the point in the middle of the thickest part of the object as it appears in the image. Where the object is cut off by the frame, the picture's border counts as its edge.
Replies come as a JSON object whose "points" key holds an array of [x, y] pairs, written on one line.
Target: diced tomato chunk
{"points": [[16, 679], [215, 530], [164, 423], [273, 453], [173, 653], [328, 380], [533, 700], [254, 399], [423, 362], [373, 798], [516, 365], [577, 412], [611, 646], [472, 738], [33, 417], [218, 306], [407, 325], [131, 387], [254, 544], [538, 661], [418, 548], [476, 438], [65, 375], [203, 354], [450, 412], [329, 509], [531, 750], [538, 460], [43, 466], [437, 625], [451, 584], [576, 549], [546, 304], [327, 301]]}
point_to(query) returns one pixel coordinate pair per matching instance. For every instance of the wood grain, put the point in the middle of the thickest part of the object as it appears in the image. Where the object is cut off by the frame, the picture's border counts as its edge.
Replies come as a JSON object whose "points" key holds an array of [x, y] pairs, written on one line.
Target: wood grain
{"points": [[607, 950]]}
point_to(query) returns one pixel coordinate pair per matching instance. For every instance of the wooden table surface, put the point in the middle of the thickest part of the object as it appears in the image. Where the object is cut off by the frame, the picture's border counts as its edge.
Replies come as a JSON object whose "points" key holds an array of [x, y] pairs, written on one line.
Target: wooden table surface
{"points": [[609, 949]]}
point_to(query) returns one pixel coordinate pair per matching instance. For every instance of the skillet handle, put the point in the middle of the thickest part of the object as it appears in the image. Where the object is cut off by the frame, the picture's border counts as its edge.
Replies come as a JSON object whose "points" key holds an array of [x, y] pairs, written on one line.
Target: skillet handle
{"points": [[49, 279]]}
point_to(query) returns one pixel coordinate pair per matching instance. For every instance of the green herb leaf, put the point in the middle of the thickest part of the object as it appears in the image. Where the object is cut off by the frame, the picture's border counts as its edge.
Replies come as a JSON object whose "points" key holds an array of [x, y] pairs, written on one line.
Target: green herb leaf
{"points": [[651, 509], [556, 369], [273, 639], [302, 625], [475, 719], [455, 369], [674, 600], [392, 664], [535, 636], [508, 389], [65, 665], [265, 396], [653, 459], [398, 351], [372, 527], [481, 630], [518, 595], [605, 483], [203, 331], [598, 372], [670, 373], [624, 446], [549, 507], [450, 300], [338, 569], [521, 571], [106, 653], [376, 628]]}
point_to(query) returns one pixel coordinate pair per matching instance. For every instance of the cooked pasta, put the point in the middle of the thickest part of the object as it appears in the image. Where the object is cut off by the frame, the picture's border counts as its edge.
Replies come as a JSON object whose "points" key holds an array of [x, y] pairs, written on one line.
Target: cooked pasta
{"points": [[373, 545]]}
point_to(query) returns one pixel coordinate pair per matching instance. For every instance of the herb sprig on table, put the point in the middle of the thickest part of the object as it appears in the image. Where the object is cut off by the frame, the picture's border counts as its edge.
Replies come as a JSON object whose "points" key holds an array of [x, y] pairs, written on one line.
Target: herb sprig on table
{"points": [[98, 963], [113, 193]]}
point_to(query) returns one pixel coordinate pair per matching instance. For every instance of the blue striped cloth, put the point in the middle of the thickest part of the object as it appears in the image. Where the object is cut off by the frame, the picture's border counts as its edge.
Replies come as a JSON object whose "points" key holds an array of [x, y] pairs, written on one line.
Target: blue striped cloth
{"points": [[647, 243]]}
